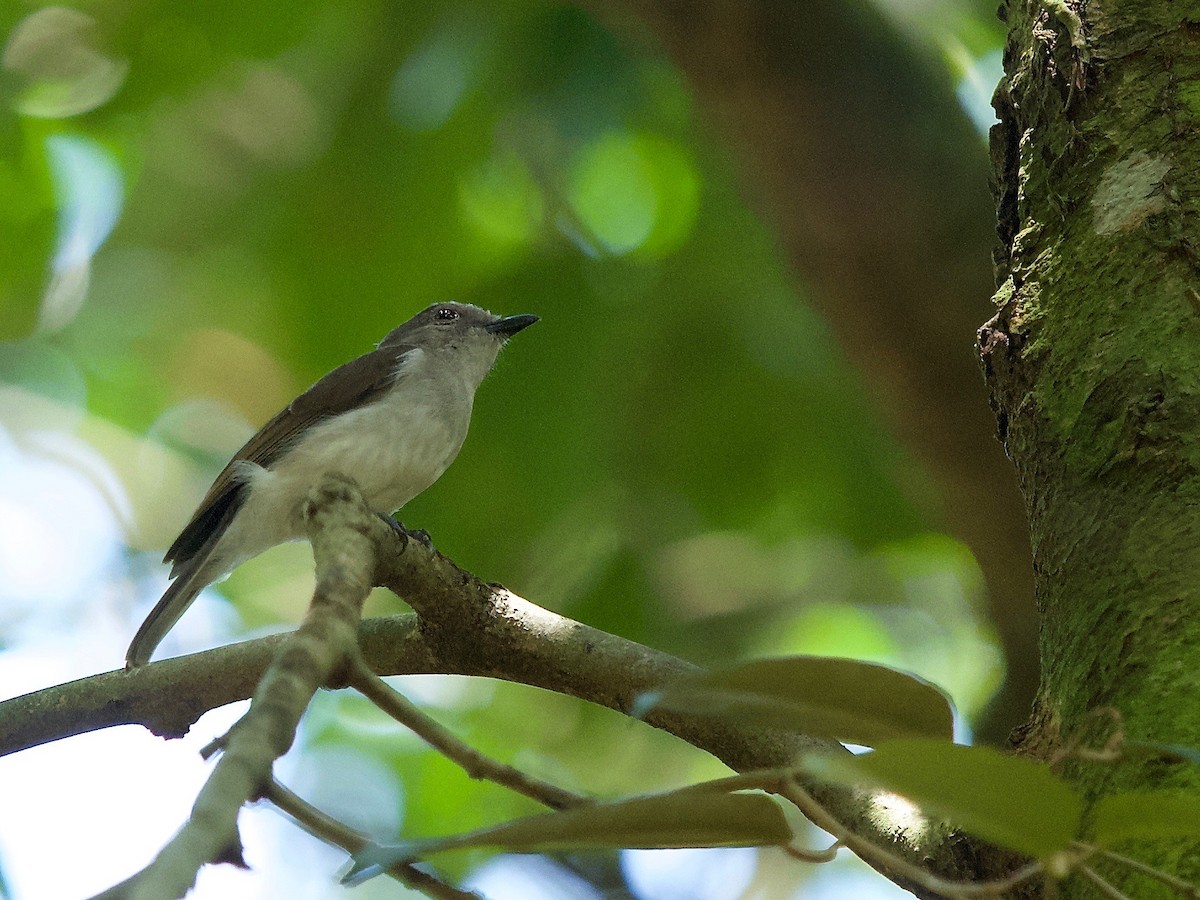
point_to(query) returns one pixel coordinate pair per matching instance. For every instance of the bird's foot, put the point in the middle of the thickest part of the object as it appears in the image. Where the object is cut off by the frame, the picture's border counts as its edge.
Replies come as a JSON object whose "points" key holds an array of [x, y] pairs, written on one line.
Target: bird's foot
{"points": [[419, 534], [422, 535], [391, 523]]}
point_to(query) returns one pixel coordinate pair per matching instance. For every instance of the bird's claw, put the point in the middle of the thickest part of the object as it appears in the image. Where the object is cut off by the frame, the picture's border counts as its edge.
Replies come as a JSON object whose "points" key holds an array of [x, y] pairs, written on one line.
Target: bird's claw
{"points": [[391, 523], [423, 536], [419, 534]]}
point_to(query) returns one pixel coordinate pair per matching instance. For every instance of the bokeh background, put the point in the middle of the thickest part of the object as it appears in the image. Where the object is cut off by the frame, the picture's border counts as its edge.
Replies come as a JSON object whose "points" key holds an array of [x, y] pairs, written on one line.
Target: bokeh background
{"points": [[204, 208]]}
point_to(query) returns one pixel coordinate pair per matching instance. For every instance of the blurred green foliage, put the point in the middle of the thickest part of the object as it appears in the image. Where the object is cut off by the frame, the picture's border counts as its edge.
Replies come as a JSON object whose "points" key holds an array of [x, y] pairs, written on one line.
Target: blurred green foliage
{"points": [[676, 453]]}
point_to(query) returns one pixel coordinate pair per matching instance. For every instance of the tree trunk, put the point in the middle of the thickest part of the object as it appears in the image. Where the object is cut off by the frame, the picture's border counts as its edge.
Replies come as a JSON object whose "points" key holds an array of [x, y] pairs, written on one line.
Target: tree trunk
{"points": [[1092, 364]]}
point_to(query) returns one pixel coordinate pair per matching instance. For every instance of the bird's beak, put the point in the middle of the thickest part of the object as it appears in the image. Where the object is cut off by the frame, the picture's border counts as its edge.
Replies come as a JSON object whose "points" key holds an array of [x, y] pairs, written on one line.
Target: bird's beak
{"points": [[510, 325]]}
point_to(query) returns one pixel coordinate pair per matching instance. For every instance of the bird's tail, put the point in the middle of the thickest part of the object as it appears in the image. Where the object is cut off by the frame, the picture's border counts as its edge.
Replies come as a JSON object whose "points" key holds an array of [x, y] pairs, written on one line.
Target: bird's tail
{"points": [[167, 611]]}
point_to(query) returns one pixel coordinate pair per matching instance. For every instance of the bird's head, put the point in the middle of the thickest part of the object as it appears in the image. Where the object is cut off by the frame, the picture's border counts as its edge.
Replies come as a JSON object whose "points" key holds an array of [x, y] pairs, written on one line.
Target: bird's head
{"points": [[472, 335]]}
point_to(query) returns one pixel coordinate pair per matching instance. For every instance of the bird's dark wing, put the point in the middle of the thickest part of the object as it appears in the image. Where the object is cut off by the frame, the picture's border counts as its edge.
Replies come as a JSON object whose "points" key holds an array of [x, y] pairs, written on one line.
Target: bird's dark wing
{"points": [[347, 387]]}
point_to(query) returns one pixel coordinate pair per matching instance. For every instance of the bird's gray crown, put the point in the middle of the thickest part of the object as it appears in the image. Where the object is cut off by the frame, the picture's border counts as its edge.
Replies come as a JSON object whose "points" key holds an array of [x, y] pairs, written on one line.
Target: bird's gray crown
{"points": [[439, 325], [452, 324]]}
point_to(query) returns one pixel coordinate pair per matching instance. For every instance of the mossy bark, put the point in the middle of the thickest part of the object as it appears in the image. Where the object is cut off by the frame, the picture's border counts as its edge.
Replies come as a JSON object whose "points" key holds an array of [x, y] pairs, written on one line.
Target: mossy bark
{"points": [[1093, 364]]}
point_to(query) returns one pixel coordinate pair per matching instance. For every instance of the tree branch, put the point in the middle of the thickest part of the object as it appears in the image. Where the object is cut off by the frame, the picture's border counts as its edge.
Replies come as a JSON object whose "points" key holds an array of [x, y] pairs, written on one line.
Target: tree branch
{"points": [[466, 627], [440, 738], [303, 664]]}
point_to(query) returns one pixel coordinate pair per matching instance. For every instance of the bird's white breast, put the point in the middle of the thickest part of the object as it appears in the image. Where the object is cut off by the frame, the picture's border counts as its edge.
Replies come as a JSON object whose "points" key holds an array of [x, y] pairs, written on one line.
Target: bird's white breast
{"points": [[394, 448]]}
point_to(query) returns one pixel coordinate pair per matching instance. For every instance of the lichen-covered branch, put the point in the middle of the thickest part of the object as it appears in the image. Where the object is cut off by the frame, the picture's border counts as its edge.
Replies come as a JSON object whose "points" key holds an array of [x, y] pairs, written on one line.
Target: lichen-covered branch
{"points": [[303, 663]]}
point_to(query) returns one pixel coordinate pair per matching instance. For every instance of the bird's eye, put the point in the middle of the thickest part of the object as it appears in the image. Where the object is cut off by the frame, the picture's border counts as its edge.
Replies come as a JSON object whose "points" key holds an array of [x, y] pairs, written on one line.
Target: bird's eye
{"points": [[446, 314]]}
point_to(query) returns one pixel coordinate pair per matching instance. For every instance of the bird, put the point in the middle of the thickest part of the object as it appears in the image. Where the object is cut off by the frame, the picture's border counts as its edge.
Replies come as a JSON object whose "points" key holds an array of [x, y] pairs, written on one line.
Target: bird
{"points": [[393, 420]]}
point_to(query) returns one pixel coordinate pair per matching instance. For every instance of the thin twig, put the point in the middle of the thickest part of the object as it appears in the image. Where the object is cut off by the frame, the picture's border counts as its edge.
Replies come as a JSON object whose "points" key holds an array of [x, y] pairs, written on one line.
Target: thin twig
{"points": [[1186, 888], [812, 856], [1107, 889], [870, 851], [341, 835], [772, 781], [1111, 751], [769, 780], [361, 677]]}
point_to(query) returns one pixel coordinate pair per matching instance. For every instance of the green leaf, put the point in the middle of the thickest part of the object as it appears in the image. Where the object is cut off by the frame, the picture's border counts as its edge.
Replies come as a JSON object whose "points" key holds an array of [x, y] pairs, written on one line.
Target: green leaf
{"points": [[1010, 801], [664, 821], [1147, 815], [843, 699]]}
